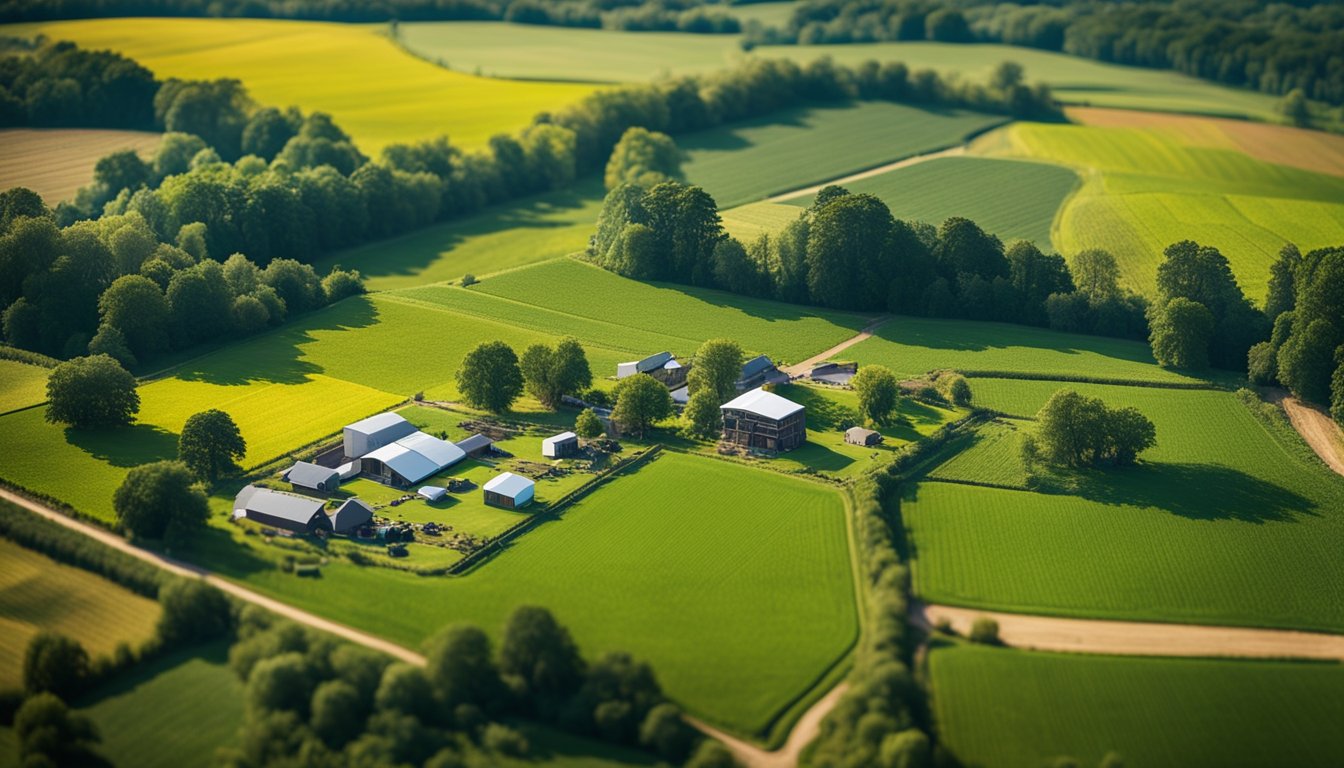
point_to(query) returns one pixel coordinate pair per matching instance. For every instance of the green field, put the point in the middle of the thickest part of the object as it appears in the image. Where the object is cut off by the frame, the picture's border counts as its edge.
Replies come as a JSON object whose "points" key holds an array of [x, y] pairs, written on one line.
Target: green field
{"points": [[39, 593], [374, 90], [21, 385], [1000, 708], [993, 455], [741, 163], [172, 712], [1229, 520], [682, 555], [1146, 188], [913, 346], [1013, 200]]}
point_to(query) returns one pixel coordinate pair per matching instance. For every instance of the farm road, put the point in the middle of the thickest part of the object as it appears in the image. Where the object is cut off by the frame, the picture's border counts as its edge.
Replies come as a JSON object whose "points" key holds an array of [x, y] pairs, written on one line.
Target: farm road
{"points": [[801, 369], [803, 733], [1317, 428], [1133, 638], [960, 149]]}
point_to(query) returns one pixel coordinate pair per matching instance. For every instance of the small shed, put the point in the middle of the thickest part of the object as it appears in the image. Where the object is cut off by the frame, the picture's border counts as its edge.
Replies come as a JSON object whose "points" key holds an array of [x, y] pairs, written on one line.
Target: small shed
{"points": [[350, 516], [313, 477], [561, 445], [861, 436], [297, 514], [432, 492], [477, 445], [509, 491]]}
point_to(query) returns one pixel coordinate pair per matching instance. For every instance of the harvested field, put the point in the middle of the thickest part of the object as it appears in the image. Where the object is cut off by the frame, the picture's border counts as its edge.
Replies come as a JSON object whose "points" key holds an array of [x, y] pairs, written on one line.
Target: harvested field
{"points": [[56, 162]]}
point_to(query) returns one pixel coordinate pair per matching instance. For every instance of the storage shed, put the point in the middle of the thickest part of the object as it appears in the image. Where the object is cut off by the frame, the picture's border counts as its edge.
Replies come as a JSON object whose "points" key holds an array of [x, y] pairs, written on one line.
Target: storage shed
{"points": [[861, 436], [477, 445], [313, 477], [561, 445], [297, 514], [432, 492], [509, 491], [373, 433], [764, 421], [350, 516]]}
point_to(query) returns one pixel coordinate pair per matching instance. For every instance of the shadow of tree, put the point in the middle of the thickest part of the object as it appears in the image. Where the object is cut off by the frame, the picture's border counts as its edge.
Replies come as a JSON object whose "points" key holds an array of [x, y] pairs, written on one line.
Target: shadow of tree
{"points": [[126, 446]]}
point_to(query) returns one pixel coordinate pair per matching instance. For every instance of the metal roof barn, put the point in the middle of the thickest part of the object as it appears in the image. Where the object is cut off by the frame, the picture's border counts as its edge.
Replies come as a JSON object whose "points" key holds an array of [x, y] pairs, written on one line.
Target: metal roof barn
{"points": [[312, 476], [763, 403], [375, 432], [509, 490], [559, 446], [351, 515], [299, 514]]}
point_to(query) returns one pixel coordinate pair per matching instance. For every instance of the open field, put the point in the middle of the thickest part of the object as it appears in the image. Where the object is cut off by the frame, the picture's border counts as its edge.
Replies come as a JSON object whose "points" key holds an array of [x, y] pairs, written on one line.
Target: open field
{"points": [[374, 90], [39, 593], [56, 162], [750, 221], [1000, 707], [740, 163], [681, 556], [1229, 520], [170, 712], [1011, 200], [913, 346], [994, 455], [1145, 188], [21, 385]]}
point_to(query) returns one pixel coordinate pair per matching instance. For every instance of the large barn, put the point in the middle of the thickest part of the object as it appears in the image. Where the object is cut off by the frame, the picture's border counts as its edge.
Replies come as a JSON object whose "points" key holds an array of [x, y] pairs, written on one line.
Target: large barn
{"points": [[373, 433], [391, 450], [297, 514], [312, 477], [764, 421]]}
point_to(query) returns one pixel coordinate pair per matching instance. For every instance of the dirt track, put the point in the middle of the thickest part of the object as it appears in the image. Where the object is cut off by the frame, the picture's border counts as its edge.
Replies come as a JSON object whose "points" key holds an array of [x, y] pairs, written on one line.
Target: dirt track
{"points": [[1319, 430], [1132, 638], [807, 728], [878, 171], [801, 369]]}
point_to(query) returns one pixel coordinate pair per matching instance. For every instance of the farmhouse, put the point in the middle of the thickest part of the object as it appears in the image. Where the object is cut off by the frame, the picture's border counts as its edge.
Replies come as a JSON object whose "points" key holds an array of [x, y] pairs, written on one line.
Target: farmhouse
{"points": [[861, 436], [764, 421], [312, 477], [477, 445], [297, 514], [350, 516], [509, 491], [561, 445], [662, 366], [759, 371]]}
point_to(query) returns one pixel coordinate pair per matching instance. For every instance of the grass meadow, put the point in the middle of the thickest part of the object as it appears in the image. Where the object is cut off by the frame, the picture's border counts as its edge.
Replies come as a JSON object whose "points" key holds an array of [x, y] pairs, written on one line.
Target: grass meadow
{"points": [[997, 708], [377, 92], [38, 593], [740, 163], [1014, 200], [734, 583], [21, 385], [1229, 520], [1145, 188], [56, 162]]}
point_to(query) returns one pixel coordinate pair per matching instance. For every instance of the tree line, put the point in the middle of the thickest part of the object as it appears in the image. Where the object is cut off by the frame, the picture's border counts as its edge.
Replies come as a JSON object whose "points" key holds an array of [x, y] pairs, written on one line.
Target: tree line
{"points": [[1273, 48]]}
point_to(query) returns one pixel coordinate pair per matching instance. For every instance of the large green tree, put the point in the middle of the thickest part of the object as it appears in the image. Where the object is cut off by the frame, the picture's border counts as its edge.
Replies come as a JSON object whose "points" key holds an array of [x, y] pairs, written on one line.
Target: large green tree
{"points": [[134, 305], [1180, 333], [539, 651], [850, 262], [641, 400], [1281, 296], [1075, 430], [462, 669], [210, 444], [1316, 327], [1203, 275], [91, 392], [49, 734], [716, 368], [489, 377], [54, 663], [643, 157], [193, 612], [550, 373], [160, 501], [879, 393], [703, 417]]}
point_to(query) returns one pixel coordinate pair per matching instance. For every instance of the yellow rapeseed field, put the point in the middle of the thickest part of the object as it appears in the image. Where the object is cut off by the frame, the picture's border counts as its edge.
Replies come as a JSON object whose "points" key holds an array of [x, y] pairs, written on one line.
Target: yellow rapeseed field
{"points": [[376, 91]]}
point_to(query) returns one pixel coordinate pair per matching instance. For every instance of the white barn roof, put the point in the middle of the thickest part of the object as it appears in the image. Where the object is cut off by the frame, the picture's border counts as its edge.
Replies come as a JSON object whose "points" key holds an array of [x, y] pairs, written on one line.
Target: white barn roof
{"points": [[409, 464], [438, 451], [563, 437], [382, 422], [508, 484], [763, 403]]}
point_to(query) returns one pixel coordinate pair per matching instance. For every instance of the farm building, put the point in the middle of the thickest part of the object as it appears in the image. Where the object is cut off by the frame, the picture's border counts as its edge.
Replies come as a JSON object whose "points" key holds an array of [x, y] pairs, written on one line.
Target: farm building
{"points": [[432, 492], [561, 445], [861, 436], [509, 491], [764, 421], [312, 477], [662, 366], [373, 433], [410, 459], [759, 371], [834, 373], [477, 445], [297, 514], [350, 516]]}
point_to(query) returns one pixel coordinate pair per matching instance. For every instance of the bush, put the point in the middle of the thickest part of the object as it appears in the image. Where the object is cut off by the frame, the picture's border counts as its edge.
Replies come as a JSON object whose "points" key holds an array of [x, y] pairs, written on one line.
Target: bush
{"points": [[587, 425], [954, 388], [985, 631], [160, 500], [48, 734], [54, 663], [666, 733], [193, 612], [469, 280], [92, 392], [711, 754], [66, 546], [504, 740]]}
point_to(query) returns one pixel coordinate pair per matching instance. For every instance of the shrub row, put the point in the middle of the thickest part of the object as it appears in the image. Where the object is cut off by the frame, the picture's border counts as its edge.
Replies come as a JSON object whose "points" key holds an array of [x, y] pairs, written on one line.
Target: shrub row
{"points": [[72, 548]]}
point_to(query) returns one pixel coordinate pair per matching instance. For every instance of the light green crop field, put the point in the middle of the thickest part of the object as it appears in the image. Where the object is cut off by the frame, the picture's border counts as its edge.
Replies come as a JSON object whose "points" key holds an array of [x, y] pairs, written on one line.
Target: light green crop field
{"points": [[1146, 188], [741, 163], [998, 708], [994, 455], [377, 92], [1013, 200], [567, 296], [21, 385], [914, 346], [680, 556], [169, 712], [750, 221], [1229, 520], [513, 235], [38, 593]]}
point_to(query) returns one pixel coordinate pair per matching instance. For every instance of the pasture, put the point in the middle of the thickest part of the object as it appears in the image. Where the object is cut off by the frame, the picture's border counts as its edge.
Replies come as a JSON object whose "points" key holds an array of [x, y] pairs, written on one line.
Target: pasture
{"points": [[21, 385], [734, 583], [740, 163], [993, 456], [750, 221], [1014, 200], [1146, 188], [998, 707], [377, 92], [1229, 520], [56, 162], [913, 346], [38, 593]]}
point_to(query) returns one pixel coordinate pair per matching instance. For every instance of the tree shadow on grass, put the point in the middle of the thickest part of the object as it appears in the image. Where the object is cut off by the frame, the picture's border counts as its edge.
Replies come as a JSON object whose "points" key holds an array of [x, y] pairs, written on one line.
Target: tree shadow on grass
{"points": [[214, 653], [126, 446]]}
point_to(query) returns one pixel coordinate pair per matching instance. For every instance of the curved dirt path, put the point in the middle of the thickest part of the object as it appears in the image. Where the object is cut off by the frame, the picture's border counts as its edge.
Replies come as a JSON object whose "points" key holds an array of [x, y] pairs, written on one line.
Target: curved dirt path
{"points": [[806, 729], [960, 149], [801, 369], [1318, 429], [1132, 638]]}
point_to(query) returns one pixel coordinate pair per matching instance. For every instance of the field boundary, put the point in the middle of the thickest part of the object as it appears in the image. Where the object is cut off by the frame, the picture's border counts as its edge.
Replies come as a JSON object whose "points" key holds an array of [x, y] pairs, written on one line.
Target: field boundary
{"points": [[1083, 379]]}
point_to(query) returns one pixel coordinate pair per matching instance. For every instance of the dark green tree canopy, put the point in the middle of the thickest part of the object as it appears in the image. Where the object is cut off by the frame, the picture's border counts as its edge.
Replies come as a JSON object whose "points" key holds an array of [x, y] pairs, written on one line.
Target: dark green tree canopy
{"points": [[539, 651], [91, 392], [489, 377], [160, 500], [1075, 430], [641, 400], [210, 444]]}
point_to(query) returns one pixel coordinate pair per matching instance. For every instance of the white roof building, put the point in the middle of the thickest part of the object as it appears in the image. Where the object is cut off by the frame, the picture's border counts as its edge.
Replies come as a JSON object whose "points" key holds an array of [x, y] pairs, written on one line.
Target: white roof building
{"points": [[375, 432], [559, 446], [662, 360], [412, 458], [763, 403], [509, 490]]}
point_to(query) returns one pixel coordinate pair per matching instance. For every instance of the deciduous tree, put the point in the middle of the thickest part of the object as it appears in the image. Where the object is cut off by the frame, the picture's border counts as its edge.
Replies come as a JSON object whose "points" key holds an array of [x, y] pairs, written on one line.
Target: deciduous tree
{"points": [[489, 377], [91, 392], [716, 368], [879, 392], [160, 500], [210, 444]]}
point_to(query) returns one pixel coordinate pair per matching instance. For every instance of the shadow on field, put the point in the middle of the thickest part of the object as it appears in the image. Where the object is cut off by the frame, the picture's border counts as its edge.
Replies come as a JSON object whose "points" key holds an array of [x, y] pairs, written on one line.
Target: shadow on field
{"points": [[125, 446], [1196, 491], [120, 684]]}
